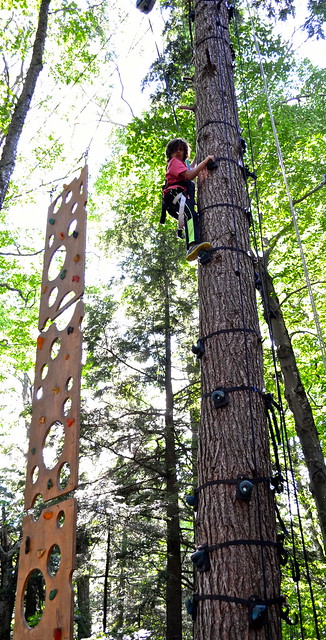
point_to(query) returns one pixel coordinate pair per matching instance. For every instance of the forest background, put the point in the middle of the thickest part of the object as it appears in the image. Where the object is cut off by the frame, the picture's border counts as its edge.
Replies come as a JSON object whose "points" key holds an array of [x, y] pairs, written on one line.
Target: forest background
{"points": [[80, 112]]}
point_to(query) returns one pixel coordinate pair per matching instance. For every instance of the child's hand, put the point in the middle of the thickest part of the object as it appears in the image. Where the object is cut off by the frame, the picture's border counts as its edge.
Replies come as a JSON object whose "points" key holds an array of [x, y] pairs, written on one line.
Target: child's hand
{"points": [[209, 158]]}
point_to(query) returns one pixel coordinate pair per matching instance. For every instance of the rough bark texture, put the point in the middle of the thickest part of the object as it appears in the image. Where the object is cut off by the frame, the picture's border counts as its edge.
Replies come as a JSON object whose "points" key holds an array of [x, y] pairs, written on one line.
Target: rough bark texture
{"points": [[84, 624], [8, 157], [8, 579], [233, 440], [298, 402], [173, 567]]}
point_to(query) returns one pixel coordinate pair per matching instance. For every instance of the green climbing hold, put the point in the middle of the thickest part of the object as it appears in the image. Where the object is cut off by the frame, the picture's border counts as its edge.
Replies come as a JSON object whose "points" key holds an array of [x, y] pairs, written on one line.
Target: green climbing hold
{"points": [[33, 450], [51, 220], [53, 594], [63, 274]]}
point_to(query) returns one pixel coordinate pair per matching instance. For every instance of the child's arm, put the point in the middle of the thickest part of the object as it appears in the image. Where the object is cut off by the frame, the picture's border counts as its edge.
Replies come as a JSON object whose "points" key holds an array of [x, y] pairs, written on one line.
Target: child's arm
{"points": [[190, 174]]}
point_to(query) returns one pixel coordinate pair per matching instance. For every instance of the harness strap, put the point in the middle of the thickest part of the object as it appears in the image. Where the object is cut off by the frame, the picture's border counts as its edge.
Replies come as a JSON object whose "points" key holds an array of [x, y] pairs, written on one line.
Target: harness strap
{"points": [[182, 201]]}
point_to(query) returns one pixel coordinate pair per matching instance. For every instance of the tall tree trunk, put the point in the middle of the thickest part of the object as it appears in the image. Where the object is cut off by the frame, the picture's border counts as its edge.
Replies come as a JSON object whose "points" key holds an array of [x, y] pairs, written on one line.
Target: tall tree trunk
{"points": [[8, 157], [173, 586], [106, 589], [233, 439], [84, 623], [298, 401], [8, 579]]}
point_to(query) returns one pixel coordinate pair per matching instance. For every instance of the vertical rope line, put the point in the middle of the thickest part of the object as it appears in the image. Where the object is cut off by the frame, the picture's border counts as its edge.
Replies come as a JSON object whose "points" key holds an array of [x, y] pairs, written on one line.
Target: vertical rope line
{"points": [[294, 217], [231, 88], [165, 79]]}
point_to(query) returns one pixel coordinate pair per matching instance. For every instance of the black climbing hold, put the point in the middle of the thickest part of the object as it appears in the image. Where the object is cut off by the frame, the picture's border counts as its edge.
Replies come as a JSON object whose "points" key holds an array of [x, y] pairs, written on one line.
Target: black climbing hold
{"points": [[49, 484], [204, 257], [75, 234], [243, 145], [192, 501], [244, 489], [249, 174], [219, 398], [257, 612], [33, 450], [145, 6], [200, 559], [70, 330], [212, 164], [277, 483], [191, 607], [198, 349]]}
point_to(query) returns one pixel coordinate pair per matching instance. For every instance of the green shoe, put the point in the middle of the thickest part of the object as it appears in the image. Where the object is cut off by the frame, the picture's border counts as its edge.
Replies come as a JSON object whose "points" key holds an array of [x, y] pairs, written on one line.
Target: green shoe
{"points": [[194, 249]]}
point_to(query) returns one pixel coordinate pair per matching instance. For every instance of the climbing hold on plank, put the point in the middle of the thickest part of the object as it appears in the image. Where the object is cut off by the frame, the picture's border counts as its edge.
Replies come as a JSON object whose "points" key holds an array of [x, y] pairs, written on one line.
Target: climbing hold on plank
{"points": [[53, 594], [75, 278], [70, 422], [63, 274], [49, 484], [77, 257], [75, 234], [57, 634], [70, 330], [44, 290], [47, 515], [61, 235], [51, 220], [55, 390], [40, 341], [40, 553], [42, 420]]}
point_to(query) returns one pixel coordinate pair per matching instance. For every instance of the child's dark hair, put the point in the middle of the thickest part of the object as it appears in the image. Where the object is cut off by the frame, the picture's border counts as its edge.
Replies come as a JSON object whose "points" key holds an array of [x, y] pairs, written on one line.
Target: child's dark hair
{"points": [[174, 144]]}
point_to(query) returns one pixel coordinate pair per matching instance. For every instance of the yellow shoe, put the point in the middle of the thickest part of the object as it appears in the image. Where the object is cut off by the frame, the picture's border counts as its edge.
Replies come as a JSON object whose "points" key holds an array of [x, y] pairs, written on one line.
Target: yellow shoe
{"points": [[194, 249]]}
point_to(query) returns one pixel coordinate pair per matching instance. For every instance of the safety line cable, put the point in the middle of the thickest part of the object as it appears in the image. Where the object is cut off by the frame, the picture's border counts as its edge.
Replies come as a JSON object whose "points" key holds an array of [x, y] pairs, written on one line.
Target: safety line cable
{"points": [[294, 217]]}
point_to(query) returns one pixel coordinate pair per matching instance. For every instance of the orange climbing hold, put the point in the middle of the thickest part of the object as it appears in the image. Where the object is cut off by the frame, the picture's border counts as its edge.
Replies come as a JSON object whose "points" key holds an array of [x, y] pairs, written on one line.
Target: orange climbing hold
{"points": [[40, 341], [77, 257], [55, 389], [61, 235], [40, 553], [47, 515], [44, 290], [42, 420]]}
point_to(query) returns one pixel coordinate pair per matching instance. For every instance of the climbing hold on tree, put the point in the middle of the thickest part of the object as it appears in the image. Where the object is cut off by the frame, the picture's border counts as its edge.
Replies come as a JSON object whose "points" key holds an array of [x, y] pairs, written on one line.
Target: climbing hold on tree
{"points": [[212, 164], [198, 349], [201, 559], [75, 278], [257, 612], [191, 607], [63, 274], [145, 6], [244, 489], [40, 341], [192, 501], [53, 594], [219, 398], [204, 257]]}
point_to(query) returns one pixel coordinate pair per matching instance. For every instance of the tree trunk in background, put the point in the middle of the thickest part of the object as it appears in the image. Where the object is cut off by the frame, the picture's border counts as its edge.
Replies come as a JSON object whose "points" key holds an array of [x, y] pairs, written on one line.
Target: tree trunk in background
{"points": [[106, 588], [233, 439], [8, 580], [84, 623], [298, 401], [173, 567], [9, 152]]}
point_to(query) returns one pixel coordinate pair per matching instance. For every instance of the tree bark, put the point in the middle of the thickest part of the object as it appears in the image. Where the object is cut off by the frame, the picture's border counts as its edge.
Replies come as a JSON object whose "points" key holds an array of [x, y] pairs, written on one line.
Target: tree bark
{"points": [[297, 400], [84, 622], [233, 439], [173, 567], [8, 579], [8, 157]]}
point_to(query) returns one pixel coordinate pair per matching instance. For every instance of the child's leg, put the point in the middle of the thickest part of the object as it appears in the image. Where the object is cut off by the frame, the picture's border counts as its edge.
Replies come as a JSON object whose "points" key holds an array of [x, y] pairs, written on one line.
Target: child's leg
{"points": [[192, 217]]}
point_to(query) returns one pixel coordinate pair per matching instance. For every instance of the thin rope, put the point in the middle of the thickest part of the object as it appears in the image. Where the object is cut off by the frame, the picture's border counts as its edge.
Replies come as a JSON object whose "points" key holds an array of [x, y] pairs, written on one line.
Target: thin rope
{"points": [[294, 216]]}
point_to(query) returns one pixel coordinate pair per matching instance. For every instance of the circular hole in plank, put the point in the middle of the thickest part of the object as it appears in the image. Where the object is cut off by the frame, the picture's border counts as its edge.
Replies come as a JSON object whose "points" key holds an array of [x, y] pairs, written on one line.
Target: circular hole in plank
{"points": [[39, 393], [61, 519], [54, 559], [72, 227], [38, 505], [64, 475], [53, 296], [69, 383], [55, 348], [66, 406], [34, 474], [56, 263], [53, 445], [34, 598], [44, 371], [51, 240]]}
